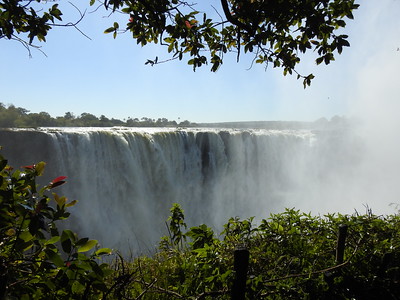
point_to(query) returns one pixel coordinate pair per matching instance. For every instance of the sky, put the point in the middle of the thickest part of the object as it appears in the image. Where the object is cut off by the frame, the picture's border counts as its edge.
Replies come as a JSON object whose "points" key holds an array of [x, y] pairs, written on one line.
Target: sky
{"points": [[108, 77]]}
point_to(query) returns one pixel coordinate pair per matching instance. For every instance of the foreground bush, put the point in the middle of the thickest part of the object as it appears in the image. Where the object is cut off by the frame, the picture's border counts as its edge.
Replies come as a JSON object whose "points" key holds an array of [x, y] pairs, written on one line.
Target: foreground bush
{"points": [[37, 261], [292, 256]]}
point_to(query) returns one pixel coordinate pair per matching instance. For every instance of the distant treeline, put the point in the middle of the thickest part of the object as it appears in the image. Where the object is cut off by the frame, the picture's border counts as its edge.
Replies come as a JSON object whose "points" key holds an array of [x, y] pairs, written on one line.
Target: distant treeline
{"points": [[12, 116], [18, 117]]}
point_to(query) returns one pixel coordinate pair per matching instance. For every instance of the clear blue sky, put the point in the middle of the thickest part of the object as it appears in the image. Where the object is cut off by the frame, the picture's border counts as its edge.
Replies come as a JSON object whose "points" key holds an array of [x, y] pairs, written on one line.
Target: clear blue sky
{"points": [[106, 76]]}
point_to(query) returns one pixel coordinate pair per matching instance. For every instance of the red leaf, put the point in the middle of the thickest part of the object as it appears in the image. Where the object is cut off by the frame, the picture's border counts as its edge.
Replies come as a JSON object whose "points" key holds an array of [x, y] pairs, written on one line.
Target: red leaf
{"points": [[55, 184], [31, 167], [60, 178], [188, 25]]}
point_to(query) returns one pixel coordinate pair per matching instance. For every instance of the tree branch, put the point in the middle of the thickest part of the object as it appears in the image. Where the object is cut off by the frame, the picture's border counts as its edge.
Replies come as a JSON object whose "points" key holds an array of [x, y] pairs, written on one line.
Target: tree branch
{"points": [[233, 20], [74, 24], [159, 289]]}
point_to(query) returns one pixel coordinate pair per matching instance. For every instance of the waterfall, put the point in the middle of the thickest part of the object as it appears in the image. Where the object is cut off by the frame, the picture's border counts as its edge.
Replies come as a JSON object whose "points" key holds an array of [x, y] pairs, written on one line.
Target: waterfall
{"points": [[127, 179]]}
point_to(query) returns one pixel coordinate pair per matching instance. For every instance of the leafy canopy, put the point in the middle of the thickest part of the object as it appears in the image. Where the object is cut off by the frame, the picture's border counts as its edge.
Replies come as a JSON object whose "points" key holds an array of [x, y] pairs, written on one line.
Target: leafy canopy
{"points": [[275, 32]]}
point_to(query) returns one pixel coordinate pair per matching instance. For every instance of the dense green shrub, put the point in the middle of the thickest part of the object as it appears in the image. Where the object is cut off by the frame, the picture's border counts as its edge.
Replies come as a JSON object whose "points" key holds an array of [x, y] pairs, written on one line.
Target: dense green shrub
{"points": [[292, 256], [37, 261]]}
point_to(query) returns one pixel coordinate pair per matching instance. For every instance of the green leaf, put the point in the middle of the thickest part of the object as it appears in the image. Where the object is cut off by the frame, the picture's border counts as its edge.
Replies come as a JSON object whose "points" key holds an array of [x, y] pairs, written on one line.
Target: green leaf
{"points": [[170, 47], [26, 236], [67, 239], [54, 258], [81, 242], [53, 240], [339, 49], [3, 164], [25, 297], [10, 232], [59, 200], [87, 246], [21, 245], [72, 203], [345, 43], [78, 288], [109, 30], [40, 168], [341, 23], [68, 234], [36, 224], [103, 251]]}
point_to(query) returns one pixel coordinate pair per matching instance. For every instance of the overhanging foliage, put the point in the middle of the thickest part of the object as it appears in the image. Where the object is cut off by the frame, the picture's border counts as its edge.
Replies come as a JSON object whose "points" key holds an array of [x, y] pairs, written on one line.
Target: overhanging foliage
{"points": [[274, 32]]}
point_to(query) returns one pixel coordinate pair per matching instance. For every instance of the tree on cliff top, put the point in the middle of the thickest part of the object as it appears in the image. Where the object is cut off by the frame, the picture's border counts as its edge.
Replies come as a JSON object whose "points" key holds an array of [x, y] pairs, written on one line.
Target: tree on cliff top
{"points": [[274, 32]]}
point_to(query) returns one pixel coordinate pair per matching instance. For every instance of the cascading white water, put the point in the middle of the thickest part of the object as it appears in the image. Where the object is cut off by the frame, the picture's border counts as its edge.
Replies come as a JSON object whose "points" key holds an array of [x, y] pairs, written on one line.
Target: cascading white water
{"points": [[127, 179]]}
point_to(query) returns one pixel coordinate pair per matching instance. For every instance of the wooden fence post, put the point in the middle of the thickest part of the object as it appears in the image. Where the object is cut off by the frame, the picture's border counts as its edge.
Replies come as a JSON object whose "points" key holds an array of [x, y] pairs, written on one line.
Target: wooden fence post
{"points": [[341, 243], [241, 265]]}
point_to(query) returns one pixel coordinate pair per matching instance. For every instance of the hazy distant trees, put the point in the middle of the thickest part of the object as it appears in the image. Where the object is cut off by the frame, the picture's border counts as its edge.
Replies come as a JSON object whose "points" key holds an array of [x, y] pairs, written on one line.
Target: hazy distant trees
{"points": [[334, 122], [12, 116], [39, 119]]}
